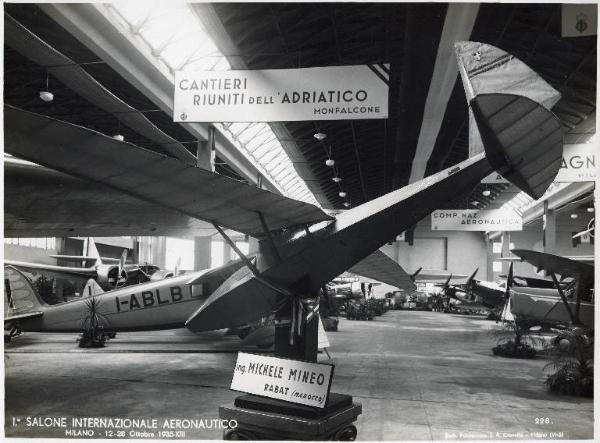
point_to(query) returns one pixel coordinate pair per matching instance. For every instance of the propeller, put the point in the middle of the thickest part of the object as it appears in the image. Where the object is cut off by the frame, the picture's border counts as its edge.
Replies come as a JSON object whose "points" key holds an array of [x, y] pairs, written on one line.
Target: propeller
{"points": [[414, 276], [472, 277], [122, 275], [590, 230]]}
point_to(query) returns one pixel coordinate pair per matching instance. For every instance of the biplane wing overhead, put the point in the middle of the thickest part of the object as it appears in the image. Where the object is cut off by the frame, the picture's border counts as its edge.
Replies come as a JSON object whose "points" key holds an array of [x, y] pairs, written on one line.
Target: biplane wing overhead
{"points": [[380, 267], [151, 176]]}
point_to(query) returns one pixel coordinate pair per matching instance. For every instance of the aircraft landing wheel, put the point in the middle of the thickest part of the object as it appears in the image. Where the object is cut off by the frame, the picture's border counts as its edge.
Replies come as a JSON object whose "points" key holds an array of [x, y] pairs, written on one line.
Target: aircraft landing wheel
{"points": [[346, 434], [237, 434]]}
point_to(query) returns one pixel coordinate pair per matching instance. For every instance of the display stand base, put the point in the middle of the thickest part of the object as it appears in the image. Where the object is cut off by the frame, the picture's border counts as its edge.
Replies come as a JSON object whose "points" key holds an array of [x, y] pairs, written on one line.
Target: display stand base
{"points": [[266, 419]]}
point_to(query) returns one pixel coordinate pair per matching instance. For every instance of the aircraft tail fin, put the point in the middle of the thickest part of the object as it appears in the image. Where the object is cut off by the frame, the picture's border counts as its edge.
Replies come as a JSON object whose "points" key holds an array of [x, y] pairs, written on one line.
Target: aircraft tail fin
{"points": [[523, 140], [91, 288], [21, 299], [90, 250], [510, 116], [486, 69]]}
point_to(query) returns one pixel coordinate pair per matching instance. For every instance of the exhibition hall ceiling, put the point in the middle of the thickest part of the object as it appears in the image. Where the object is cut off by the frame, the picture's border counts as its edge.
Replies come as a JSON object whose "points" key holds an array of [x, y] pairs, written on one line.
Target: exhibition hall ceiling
{"points": [[372, 157]]}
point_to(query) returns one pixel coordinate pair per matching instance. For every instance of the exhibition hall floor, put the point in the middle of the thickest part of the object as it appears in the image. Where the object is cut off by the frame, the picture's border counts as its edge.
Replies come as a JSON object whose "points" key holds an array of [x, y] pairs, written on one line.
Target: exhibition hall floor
{"points": [[419, 376]]}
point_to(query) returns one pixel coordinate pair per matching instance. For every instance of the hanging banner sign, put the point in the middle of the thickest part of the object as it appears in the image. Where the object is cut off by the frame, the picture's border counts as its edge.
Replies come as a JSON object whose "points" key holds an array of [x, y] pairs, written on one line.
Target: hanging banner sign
{"points": [[476, 220], [271, 95], [295, 381], [578, 165]]}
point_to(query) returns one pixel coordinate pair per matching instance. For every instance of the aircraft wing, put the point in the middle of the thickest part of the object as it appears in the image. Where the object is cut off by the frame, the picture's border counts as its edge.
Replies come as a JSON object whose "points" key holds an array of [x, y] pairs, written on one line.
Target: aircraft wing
{"points": [[380, 267], [77, 258], [150, 176], [56, 271], [434, 276], [41, 202], [556, 264]]}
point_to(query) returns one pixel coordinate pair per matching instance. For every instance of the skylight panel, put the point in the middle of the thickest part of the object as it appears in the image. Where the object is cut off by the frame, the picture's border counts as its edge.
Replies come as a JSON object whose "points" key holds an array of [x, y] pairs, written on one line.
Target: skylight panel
{"points": [[176, 38]]}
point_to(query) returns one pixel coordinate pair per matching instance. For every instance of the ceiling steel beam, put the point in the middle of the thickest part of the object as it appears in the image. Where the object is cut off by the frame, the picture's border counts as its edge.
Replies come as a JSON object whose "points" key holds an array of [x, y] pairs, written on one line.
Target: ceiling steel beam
{"points": [[92, 25], [460, 19]]}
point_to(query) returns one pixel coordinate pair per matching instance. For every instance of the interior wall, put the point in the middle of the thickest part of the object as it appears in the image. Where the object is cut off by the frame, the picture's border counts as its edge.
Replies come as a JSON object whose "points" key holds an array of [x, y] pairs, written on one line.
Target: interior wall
{"points": [[462, 251], [29, 254], [531, 238]]}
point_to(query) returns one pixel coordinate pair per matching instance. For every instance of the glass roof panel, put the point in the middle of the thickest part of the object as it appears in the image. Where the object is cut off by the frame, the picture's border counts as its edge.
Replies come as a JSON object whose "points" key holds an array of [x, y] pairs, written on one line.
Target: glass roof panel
{"points": [[178, 40]]}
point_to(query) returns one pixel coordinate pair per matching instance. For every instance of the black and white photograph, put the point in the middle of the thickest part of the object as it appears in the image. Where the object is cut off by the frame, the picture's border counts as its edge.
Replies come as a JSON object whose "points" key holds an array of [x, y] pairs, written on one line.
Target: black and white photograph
{"points": [[299, 221]]}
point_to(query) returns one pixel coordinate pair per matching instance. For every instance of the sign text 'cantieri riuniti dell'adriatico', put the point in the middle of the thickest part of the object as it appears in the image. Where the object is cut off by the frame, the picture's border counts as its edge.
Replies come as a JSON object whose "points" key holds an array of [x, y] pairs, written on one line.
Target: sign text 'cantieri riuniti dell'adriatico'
{"points": [[271, 95]]}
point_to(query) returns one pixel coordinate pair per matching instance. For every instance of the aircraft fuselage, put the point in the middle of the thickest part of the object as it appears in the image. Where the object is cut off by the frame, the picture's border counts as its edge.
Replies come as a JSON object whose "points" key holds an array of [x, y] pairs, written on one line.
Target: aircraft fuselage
{"points": [[165, 304]]}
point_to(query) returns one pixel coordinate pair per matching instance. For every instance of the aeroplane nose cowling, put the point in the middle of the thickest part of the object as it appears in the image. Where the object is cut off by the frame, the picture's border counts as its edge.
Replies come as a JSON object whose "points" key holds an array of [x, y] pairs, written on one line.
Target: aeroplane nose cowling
{"points": [[109, 277], [523, 140]]}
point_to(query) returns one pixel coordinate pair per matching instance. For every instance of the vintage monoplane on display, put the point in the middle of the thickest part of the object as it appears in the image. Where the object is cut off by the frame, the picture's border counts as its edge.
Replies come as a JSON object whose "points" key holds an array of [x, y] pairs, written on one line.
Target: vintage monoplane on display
{"points": [[301, 248]]}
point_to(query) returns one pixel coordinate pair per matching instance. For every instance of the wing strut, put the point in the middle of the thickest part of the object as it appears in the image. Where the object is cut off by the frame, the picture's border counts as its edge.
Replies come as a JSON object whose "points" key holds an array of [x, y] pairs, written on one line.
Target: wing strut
{"points": [[265, 227], [233, 246], [574, 320], [251, 266]]}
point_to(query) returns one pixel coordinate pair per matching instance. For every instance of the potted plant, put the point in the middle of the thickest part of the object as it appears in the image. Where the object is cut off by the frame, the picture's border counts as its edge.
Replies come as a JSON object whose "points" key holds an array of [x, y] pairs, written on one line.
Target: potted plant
{"points": [[92, 325], [514, 339], [573, 366]]}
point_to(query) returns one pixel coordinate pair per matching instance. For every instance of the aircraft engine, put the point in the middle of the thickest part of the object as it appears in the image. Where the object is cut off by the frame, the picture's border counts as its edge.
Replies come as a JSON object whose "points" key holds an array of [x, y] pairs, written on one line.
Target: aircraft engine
{"points": [[109, 277]]}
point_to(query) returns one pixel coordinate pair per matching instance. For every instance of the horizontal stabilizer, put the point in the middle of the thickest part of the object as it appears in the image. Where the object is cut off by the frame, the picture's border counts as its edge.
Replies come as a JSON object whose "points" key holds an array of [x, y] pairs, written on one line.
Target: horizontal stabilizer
{"points": [[523, 140], [76, 258], [241, 299], [380, 267], [222, 271]]}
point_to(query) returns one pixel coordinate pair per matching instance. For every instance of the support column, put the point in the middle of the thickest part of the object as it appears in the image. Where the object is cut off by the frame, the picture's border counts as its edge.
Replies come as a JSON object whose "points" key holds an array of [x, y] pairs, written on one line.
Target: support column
{"points": [[505, 251], [157, 251], [205, 151], [59, 245], [135, 247], [226, 252], [202, 250], [252, 246], [549, 229], [489, 262]]}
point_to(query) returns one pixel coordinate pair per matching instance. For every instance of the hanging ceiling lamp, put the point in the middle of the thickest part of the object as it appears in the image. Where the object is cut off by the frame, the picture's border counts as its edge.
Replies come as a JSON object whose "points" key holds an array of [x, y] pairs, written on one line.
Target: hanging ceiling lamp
{"points": [[118, 135], [46, 95]]}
